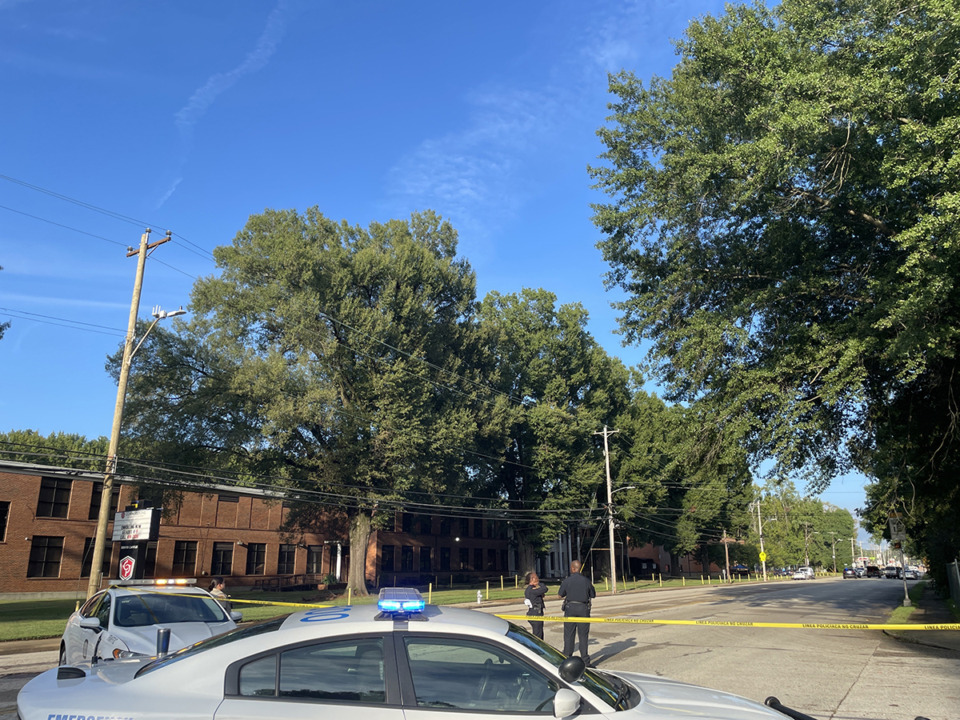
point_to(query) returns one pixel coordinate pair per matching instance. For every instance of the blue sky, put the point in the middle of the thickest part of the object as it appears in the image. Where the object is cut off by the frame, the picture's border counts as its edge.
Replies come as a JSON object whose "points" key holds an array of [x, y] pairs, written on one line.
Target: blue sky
{"points": [[193, 116]]}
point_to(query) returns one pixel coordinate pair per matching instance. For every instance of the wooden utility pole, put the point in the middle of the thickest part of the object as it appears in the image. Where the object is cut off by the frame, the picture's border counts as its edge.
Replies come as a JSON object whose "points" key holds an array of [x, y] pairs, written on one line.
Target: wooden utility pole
{"points": [[613, 557], [103, 518]]}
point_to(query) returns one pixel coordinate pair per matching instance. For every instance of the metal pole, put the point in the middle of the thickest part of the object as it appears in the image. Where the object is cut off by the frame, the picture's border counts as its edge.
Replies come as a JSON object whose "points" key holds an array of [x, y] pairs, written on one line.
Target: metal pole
{"points": [[762, 553]]}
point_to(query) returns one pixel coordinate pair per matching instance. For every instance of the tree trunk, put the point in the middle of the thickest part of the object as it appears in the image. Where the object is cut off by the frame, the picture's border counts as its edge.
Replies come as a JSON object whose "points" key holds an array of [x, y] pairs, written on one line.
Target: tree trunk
{"points": [[526, 556], [360, 526]]}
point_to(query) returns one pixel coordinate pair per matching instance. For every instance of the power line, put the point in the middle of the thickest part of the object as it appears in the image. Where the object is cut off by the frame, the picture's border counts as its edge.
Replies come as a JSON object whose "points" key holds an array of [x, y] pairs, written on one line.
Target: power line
{"points": [[62, 322], [66, 227]]}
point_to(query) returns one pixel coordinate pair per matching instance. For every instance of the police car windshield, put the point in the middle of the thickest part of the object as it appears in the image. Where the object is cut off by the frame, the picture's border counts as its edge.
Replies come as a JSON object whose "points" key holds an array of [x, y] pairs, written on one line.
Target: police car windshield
{"points": [[596, 683], [210, 643], [154, 608]]}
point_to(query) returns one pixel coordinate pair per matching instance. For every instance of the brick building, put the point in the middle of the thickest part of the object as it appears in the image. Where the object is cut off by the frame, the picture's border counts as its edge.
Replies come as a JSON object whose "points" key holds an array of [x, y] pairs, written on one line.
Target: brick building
{"points": [[48, 520]]}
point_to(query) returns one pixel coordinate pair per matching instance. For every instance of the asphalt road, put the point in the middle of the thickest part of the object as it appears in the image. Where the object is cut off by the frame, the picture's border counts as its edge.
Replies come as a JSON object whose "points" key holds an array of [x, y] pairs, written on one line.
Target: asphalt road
{"points": [[829, 674], [835, 674]]}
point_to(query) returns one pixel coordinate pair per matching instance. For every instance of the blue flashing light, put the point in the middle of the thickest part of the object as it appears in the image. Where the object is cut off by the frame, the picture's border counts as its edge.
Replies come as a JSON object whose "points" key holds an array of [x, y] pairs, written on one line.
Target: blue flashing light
{"points": [[400, 600]]}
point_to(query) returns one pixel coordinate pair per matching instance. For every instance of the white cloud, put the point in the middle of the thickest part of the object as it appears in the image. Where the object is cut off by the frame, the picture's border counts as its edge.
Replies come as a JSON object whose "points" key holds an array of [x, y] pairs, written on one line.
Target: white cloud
{"points": [[204, 96]]}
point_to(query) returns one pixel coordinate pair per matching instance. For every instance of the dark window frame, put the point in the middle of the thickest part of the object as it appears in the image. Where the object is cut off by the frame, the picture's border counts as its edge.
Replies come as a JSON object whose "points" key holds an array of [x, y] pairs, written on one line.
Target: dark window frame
{"points": [[53, 500], [286, 559], [46, 556]]}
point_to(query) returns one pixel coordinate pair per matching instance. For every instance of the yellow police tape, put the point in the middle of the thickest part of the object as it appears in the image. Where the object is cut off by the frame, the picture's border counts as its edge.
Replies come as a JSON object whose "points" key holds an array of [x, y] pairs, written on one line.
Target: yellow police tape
{"points": [[233, 601], [732, 623]]}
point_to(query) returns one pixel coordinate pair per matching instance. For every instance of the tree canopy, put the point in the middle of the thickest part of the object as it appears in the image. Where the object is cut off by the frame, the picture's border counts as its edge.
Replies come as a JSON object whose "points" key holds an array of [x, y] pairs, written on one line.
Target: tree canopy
{"points": [[333, 357], [783, 215]]}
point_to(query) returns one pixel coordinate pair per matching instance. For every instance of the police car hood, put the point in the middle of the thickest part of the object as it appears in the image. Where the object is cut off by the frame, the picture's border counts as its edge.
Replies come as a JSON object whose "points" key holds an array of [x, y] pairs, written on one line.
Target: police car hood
{"points": [[144, 639], [674, 699]]}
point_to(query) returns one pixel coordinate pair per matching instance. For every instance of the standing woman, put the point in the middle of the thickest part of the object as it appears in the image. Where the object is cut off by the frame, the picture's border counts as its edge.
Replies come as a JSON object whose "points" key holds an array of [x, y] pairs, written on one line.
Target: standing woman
{"points": [[533, 599], [216, 589]]}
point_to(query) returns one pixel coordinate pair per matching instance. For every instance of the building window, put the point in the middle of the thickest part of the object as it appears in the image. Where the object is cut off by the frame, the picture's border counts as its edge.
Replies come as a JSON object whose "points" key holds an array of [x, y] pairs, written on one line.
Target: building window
{"points": [[464, 527], [386, 558], [478, 528], [464, 559], [150, 560], [445, 526], [229, 498], [184, 558], [286, 559], [406, 523], [406, 559], [315, 559], [95, 497], [425, 564], [88, 558], [222, 563], [54, 497], [4, 514], [45, 555], [444, 558], [491, 559], [256, 558], [478, 558]]}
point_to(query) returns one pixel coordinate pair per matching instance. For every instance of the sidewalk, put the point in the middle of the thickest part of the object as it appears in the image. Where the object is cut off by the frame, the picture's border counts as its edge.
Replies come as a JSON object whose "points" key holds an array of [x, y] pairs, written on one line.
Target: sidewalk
{"points": [[932, 610]]}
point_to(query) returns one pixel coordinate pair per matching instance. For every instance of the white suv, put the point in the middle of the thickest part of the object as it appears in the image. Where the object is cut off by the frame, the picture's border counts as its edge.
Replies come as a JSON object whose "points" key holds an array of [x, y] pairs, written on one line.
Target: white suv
{"points": [[804, 573]]}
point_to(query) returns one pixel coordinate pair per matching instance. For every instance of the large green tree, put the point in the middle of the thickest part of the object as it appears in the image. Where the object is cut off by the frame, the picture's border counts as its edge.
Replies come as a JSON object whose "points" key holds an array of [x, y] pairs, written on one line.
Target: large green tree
{"points": [[783, 216], [557, 388], [686, 485], [336, 359]]}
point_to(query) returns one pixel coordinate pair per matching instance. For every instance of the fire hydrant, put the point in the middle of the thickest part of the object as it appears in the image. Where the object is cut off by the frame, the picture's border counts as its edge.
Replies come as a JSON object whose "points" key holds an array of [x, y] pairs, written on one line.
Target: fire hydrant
{"points": [[479, 597]]}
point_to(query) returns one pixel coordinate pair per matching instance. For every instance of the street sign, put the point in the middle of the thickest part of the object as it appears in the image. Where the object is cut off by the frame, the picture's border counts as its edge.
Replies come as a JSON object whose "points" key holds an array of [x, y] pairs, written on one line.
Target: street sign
{"points": [[763, 557], [898, 531]]}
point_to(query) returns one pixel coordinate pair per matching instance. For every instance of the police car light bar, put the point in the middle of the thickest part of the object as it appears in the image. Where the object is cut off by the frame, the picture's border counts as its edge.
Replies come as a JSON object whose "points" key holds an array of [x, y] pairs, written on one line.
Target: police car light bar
{"points": [[400, 601], [154, 581]]}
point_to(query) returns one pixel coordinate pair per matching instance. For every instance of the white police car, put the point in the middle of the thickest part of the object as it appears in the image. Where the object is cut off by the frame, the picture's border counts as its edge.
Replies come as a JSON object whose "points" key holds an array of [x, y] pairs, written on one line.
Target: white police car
{"points": [[123, 620], [397, 661]]}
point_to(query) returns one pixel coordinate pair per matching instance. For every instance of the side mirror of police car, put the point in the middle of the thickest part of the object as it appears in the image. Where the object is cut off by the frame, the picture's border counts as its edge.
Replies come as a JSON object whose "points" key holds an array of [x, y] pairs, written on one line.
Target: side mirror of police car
{"points": [[236, 616], [90, 623], [566, 703], [572, 669]]}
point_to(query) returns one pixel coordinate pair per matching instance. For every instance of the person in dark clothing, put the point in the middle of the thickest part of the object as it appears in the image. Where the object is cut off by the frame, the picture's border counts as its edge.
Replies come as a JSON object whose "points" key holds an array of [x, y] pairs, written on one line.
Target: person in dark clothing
{"points": [[533, 599], [577, 591]]}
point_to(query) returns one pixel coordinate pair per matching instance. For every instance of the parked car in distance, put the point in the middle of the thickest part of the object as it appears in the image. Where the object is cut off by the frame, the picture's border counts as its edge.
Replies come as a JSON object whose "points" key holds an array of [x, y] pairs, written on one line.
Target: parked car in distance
{"points": [[122, 622], [861, 572], [849, 573], [891, 572], [911, 574], [804, 573], [874, 571]]}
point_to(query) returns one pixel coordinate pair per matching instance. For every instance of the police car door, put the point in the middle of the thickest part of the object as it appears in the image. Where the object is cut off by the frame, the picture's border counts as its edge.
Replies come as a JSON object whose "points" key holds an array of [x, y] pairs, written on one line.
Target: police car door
{"points": [[344, 677], [447, 676]]}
